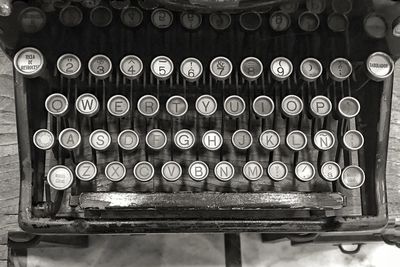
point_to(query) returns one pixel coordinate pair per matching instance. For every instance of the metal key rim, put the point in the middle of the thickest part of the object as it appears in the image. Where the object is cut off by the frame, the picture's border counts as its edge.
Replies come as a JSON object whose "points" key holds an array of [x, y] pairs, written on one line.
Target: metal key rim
{"points": [[338, 168], [85, 179], [269, 100], [180, 98], [354, 100], [331, 135], [69, 75], [309, 165], [124, 132], [358, 169], [187, 132], [176, 164], [151, 171], [68, 185], [270, 166], [127, 75], [51, 136], [216, 133], [38, 71], [106, 146], [87, 113], [123, 173], [76, 144], [142, 99], [103, 75], [219, 177], [248, 133], [258, 165], [109, 102], [274, 133], [164, 136], [205, 167]]}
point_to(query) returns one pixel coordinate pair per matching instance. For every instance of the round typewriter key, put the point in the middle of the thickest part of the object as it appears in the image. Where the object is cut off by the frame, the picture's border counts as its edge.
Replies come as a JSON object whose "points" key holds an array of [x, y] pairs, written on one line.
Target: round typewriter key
{"points": [[29, 62], [148, 4], [296, 140], [100, 140], [353, 177], [349, 107], [60, 177], [224, 171], [156, 139], [338, 22], [340, 69], [101, 16], [131, 16], [177, 106], [60, 4], [148, 105], [212, 140], [32, 19], [221, 68], [118, 106], [86, 171], [250, 21], [311, 69], [128, 140], [251, 68], [100, 66], [353, 140], [69, 138], [253, 171], [220, 21], [191, 21], [289, 7], [342, 6], [380, 66], [162, 67], [320, 106], [198, 171], [234, 105], [281, 68], [120, 4], [263, 106], [143, 171], [331, 171], [292, 105], [277, 171], [396, 27], [375, 26], [43, 139], [206, 105], [115, 171], [184, 139], [316, 6], [171, 171], [90, 3], [87, 104], [324, 140], [162, 18], [191, 69], [71, 16], [69, 65], [242, 139], [270, 140], [131, 67], [280, 21], [56, 104], [308, 21], [305, 171]]}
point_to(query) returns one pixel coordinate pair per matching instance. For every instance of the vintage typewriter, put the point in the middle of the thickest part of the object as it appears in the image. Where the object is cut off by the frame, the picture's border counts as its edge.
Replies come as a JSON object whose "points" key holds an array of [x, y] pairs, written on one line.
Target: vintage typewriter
{"points": [[202, 115]]}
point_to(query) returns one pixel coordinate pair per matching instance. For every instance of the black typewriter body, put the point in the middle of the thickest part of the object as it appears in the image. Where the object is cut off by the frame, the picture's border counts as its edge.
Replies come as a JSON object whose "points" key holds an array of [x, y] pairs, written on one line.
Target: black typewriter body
{"points": [[211, 204]]}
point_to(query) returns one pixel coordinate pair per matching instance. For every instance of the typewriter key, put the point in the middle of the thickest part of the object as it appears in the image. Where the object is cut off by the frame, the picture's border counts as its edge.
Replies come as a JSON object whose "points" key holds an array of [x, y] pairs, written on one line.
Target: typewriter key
{"points": [[177, 106], [43, 139], [349, 107], [101, 16], [118, 106], [70, 16], [224, 171], [340, 69], [69, 138], [220, 21], [280, 21], [162, 67], [90, 3], [131, 67], [29, 62], [331, 171], [171, 171], [253, 171], [242, 139], [206, 105], [69, 65], [250, 21], [311, 69], [128, 140], [316, 6], [162, 18], [198, 171], [191, 21], [221, 68], [270, 140], [353, 177], [277, 171], [234, 105], [281, 68], [184, 139], [353, 140], [115, 171], [251, 68], [396, 27], [305, 171], [100, 66], [380, 66], [120, 4], [32, 19], [156, 139], [192, 69], [131, 16], [263, 106], [56, 104], [87, 104], [148, 105], [342, 6], [320, 106], [292, 105], [375, 26], [338, 22], [324, 140], [289, 7], [212, 140], [86, 171], [148, 4], [143, 171], [296, 140], [100, 140], [308, 21], [60, 177]]}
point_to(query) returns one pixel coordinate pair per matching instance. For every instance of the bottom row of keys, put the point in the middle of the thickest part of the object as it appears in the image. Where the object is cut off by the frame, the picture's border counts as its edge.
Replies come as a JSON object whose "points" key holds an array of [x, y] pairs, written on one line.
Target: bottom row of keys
{"points": [[61, 177]]}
